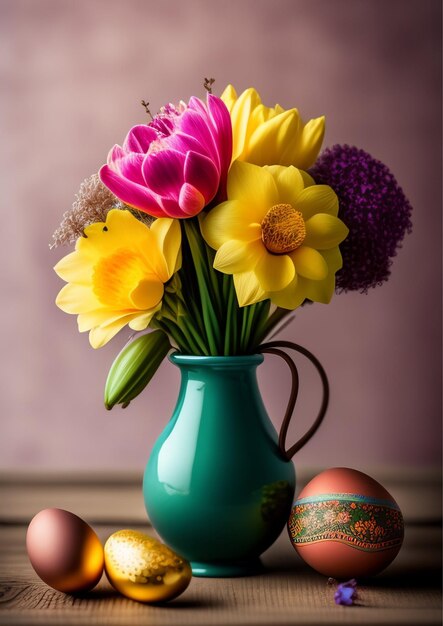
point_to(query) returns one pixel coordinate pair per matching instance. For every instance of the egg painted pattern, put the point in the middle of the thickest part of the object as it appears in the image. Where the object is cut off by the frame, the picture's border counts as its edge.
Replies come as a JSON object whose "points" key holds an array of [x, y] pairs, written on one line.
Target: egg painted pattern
{"points": [[365, 523]]}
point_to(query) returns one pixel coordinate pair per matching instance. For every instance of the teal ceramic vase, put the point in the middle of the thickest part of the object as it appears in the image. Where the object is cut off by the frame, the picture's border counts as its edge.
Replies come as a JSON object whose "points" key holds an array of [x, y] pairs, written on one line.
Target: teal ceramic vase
{"points": [[217, 488]]}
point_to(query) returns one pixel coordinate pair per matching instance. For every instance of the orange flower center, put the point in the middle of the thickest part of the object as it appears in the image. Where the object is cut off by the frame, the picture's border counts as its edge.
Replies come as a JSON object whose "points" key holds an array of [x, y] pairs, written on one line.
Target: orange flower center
{"points": [[283, 229], [122, 281]]}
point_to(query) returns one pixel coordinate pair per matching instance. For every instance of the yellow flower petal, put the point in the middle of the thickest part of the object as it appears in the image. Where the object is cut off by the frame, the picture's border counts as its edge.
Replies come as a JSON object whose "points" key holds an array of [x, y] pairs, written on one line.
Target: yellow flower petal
{"points": [[168, 235], [76, 299], [271, 135], [274, 271], [248, 288], [117, 273], [72, 268], [100, 335], [267, 142], [120, 230], [289, 181], [254, 188], [309, 263], [333, 258], [310, 141], [229, 220], [317, 199], [98, 317], [235, 230], [324, 231], [307, 178], [319, 290], [142, 321], [290, 297], [240, 113], [323, 290], [229, 96], [147, 294], [238, 256]]}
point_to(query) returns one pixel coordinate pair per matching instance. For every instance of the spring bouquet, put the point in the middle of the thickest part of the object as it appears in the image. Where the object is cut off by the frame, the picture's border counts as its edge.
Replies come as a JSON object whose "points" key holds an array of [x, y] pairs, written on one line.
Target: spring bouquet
{"points": [[215, 220]]}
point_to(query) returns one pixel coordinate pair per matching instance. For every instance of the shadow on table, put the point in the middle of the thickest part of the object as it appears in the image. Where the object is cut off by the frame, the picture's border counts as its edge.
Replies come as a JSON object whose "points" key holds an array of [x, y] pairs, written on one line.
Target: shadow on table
{"points": [[106, 593]]}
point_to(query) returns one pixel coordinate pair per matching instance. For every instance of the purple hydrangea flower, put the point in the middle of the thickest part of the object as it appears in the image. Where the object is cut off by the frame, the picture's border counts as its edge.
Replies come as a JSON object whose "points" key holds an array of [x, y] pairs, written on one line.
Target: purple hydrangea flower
{"points": [[346, 593], [373, 207]]}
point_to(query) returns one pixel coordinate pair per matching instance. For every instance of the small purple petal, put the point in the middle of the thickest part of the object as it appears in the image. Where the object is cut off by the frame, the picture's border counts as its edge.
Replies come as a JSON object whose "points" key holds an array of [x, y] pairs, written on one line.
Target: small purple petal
{"points": [[201, 173], [163, 172], [139, 139], [346, 593]]}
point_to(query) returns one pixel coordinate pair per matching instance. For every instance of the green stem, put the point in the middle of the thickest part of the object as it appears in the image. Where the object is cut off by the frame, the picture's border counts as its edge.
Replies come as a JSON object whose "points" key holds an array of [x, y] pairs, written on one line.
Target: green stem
{"points": [[215, 281], [173, 331], [211, 322], [231, 324], [258, 325], [272, 321], [248, 314], [193, 337]]}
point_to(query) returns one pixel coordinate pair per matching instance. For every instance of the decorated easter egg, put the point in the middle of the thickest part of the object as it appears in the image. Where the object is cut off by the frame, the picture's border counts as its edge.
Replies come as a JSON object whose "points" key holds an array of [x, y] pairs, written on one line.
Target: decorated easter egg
{"points": [[64, 551], [142, 568], [344, 524]]}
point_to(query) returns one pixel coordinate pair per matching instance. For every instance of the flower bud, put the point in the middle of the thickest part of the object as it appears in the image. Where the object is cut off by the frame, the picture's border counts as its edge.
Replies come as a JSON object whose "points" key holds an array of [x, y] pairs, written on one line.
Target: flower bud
{"points": [[134, 367]]}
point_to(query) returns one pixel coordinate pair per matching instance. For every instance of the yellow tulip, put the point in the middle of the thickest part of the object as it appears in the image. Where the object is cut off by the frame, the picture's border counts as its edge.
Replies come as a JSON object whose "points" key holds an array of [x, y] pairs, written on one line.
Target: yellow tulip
{"points": [[116, 274], [270, 135], [277, 234]]}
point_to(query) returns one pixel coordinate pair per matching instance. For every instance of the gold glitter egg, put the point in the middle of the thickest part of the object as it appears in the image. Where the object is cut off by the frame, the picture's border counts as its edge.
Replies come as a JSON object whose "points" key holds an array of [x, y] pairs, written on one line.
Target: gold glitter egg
{"points": [[142, 568]]}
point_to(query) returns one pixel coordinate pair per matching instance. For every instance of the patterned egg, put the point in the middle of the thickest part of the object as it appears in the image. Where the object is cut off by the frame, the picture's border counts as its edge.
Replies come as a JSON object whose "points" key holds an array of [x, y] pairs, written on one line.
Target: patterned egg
{"points": [[64, 551], [142, 568], [345, 525]]}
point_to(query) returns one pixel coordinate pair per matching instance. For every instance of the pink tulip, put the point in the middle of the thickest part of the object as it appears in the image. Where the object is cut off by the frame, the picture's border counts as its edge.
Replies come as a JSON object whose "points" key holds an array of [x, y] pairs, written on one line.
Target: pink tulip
{"points": [[175, 165]]}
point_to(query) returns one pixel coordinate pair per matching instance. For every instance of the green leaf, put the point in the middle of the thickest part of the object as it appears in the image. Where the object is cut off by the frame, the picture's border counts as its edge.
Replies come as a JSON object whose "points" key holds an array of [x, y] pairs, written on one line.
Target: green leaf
{"points": [[134, 367]]}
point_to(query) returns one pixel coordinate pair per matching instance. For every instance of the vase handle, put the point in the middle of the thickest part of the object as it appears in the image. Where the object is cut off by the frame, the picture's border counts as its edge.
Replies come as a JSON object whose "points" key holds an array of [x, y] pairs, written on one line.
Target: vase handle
{"points": [[272, 348]]}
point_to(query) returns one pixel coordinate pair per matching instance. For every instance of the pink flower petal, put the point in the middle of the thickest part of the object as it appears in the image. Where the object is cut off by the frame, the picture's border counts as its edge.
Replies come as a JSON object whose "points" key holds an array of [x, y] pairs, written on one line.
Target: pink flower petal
{"points": [[201, 173], [171, 208], [197, 105], [139, 138], [191, 201], [195, 125], [222, 130], [182, 142], [130, 167], [114, 155], [129, 192], [163, 172]]}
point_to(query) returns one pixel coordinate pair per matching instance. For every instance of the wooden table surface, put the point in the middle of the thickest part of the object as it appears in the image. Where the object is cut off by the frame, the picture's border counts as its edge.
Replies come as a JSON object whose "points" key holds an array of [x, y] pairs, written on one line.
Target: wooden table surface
{"points": [[287, 593]]}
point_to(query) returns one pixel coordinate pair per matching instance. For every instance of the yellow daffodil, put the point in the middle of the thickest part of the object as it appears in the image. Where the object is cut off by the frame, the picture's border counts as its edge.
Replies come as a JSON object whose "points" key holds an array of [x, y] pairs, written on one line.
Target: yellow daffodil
{"points": [[278, 234], [271, 136], [116, 274]]}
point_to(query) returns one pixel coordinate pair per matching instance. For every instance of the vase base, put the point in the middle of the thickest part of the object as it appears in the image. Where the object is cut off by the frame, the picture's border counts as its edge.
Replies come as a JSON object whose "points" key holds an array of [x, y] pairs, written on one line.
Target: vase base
{"points": [[227, 570]]}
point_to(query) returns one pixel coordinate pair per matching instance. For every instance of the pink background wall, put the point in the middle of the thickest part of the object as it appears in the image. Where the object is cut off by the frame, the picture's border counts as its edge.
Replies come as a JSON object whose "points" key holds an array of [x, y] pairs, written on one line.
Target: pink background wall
{"points": [[72, 77]]}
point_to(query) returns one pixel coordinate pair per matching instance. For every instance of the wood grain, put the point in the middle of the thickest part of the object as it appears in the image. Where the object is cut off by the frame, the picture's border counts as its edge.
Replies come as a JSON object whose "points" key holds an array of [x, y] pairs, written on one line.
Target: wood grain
{"points": [[287, 593]]}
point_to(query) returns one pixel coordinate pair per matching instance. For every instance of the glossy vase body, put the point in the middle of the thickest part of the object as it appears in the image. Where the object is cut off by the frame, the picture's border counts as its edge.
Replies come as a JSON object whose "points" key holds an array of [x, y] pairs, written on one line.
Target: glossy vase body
{"points": [[217, 489]]}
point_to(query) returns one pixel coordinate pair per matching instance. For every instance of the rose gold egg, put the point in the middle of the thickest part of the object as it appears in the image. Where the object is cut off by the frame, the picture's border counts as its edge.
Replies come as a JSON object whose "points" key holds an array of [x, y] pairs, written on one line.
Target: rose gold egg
{"points": [[64, 551], [344, 524]]}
